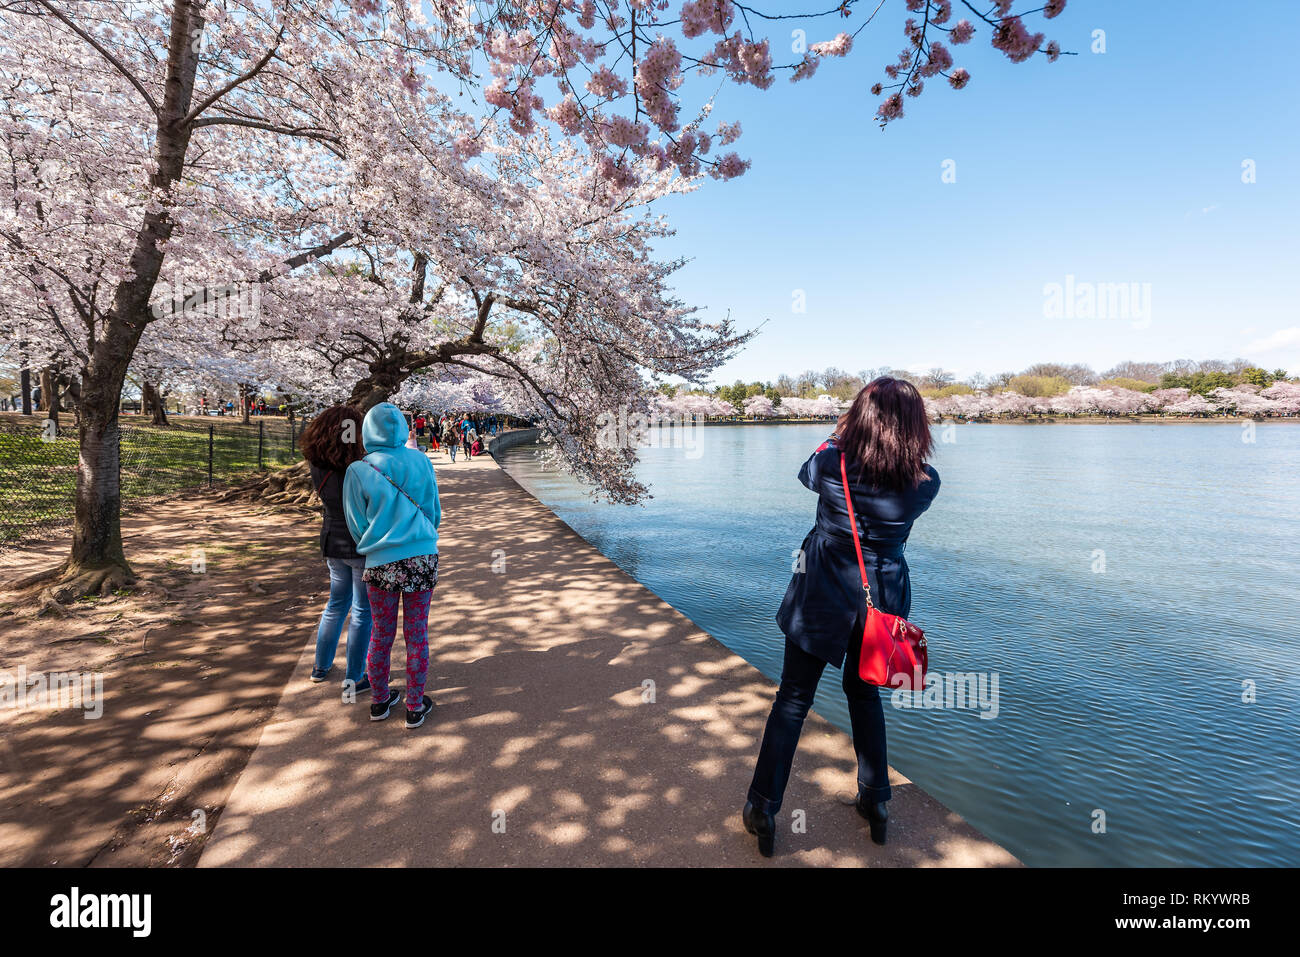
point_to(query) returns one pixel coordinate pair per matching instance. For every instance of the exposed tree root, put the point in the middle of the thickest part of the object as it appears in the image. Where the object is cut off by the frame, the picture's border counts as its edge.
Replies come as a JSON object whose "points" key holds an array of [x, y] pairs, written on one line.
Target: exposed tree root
{"points": [[66, 583], [80, 582], [287, 487]]}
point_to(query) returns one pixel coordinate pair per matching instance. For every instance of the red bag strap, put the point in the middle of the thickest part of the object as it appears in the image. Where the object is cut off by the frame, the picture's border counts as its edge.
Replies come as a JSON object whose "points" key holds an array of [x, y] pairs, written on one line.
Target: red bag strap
{"points": [[328, 473], [853, 524]]}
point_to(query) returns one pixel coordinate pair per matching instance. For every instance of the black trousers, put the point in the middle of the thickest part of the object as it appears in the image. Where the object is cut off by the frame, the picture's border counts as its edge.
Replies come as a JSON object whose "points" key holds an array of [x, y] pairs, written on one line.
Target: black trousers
{"points": [[799, 677]]}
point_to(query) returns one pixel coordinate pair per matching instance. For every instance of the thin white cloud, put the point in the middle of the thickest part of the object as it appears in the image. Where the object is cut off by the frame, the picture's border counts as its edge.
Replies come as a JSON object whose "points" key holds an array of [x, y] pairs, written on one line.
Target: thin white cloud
{"points": [[1288, 338]]}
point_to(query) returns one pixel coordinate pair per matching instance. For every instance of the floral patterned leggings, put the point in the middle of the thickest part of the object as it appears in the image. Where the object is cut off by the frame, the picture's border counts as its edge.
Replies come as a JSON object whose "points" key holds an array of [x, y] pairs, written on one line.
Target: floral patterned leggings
{"points": [[383, 632]]}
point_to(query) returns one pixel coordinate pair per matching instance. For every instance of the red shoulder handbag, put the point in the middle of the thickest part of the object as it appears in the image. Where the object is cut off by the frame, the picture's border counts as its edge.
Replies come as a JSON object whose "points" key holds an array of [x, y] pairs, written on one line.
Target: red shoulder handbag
{"points": [[893, 649]]}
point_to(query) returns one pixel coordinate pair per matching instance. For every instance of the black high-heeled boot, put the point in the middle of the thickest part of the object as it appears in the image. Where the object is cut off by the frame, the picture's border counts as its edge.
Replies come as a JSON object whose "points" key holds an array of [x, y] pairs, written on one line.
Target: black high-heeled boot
{"points": [[763, 825], [877, 815]]}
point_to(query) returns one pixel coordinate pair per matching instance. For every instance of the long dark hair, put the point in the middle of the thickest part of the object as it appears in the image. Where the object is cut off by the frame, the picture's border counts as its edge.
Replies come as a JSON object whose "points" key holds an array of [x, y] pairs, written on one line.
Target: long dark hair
{"points": [[324, 443], [886, 433]]}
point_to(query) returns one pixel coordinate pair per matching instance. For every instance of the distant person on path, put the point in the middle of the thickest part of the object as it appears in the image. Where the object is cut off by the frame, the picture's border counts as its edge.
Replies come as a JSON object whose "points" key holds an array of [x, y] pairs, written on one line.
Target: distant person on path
{"points": [[419, 425], [885, 440], [451, 439], [325, 445], [390, 498]]}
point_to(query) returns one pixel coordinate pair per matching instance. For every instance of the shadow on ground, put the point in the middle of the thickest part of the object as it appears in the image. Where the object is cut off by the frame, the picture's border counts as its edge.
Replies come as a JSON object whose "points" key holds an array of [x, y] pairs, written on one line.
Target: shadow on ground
{"points": [[545, 747], [190, 675]]}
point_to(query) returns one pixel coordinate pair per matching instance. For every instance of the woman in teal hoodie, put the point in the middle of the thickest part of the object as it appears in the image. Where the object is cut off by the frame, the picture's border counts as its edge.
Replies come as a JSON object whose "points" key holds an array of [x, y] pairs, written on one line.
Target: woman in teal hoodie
{"points": [[390, 500]]}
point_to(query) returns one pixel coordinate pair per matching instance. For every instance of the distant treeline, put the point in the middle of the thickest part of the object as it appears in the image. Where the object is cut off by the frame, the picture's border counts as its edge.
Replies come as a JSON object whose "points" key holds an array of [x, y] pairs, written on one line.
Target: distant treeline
{"points": [[1041, 380]]}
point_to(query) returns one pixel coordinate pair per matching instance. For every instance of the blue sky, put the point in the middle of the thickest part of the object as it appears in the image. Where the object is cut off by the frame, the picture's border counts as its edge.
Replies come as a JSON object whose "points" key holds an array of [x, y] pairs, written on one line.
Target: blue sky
{"points": [[1115, 167]]}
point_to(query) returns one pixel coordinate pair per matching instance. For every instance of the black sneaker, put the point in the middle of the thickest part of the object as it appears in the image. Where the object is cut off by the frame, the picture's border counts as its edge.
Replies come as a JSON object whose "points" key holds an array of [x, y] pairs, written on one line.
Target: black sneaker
{"points": [[416, 718], [319, 674], [379, 709]]}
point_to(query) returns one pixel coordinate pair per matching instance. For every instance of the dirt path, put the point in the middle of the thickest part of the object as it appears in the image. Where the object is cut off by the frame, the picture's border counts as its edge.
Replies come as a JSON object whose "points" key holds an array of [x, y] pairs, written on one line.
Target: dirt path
{"points": [[189, 678]]}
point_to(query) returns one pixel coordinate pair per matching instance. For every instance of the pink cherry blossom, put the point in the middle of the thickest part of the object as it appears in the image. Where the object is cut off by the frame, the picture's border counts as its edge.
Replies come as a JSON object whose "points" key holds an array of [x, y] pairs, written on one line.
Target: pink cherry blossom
{"points": [[962, 32]]}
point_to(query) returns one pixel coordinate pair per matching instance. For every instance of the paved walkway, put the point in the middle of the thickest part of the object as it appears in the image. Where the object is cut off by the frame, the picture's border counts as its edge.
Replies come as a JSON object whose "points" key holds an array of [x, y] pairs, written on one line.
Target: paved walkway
{"points": [[542, 749]]}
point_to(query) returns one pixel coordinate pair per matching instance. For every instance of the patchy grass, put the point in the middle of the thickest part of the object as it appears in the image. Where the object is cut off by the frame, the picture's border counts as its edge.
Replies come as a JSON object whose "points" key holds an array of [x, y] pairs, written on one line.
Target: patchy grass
{"points": [[38, 472]]}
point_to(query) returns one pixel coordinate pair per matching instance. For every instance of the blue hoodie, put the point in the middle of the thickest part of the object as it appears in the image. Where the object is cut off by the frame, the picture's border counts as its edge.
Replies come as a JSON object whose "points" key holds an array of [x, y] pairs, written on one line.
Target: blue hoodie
{"points": [[386, 526]]}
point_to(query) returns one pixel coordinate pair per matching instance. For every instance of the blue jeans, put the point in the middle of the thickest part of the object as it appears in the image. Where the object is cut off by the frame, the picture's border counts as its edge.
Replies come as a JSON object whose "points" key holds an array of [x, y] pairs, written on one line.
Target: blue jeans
{"points": [[451, 447], [347, 591], [799, 677]]}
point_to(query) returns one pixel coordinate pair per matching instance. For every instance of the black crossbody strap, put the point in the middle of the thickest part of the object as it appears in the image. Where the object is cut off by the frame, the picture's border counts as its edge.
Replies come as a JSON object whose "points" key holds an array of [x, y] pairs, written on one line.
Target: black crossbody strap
{"points": [[404, 494]]}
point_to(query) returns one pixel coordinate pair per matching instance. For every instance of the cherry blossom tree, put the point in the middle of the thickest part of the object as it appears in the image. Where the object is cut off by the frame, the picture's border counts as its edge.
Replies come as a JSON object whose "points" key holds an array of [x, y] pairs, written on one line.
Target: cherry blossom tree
{"points": [[1244, 400], [1286, 396], [821, 407], [235, 138], [1162, 399], [242, 142], [1196, 405]]}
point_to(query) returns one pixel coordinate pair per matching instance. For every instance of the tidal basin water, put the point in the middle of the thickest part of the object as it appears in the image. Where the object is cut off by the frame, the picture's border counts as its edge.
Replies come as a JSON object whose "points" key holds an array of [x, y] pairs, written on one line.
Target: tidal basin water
{"points": [[1135, 588]]}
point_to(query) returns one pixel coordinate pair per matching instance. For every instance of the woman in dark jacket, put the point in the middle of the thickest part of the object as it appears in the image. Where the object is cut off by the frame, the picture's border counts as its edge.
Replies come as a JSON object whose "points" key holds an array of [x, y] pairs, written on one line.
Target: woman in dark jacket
{"points": [[330, 444], [885, 440]]}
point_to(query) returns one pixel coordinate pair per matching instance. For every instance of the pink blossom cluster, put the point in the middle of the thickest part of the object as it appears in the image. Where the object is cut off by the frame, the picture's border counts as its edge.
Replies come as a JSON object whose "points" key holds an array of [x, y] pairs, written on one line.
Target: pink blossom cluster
{"points": [[567, 115], [939, 60], [923, 57], [622, 132], [515, 49], [891, 109], [521, 102], [840, 46], [728, 133], [729, 166], [744, 62], [1014, 39], [633, 59], [606, 84], [805, 68], [658, 74], [962, 32], [706, 16]]}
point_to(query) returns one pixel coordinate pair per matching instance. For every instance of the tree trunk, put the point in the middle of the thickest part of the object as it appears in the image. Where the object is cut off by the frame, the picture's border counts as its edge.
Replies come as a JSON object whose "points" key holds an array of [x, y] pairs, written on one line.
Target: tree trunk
{"points": [[375, 388], [97, 564], [152, 402]]}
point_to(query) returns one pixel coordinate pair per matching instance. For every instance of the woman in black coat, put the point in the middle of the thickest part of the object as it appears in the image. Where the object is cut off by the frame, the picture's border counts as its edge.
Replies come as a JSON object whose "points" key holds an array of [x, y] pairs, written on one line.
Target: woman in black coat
{"points": [[885, 440], [330, 444]]}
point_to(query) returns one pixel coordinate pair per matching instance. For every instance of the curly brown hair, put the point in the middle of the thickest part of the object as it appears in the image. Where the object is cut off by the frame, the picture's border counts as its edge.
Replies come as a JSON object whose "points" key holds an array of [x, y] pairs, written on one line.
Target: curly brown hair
{"points": [[329, 443]]}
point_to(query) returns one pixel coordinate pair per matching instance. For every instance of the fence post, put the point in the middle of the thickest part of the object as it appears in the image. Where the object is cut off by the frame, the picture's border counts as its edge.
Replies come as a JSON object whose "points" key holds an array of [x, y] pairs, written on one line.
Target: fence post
{"points": [[210, 430], [260, 428]]}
